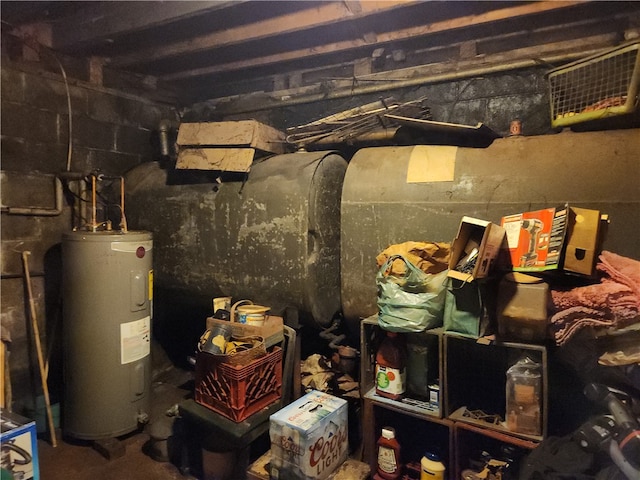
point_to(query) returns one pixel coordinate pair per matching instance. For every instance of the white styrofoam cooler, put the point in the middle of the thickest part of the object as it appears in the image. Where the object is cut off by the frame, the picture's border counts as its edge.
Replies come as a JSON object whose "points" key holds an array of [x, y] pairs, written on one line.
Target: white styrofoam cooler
{"points": [[309, 437]]}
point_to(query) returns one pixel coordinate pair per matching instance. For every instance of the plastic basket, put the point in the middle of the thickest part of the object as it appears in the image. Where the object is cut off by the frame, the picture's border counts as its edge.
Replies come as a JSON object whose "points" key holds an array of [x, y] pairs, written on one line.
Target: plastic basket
{"points": [[237, 392], [596, 87]]}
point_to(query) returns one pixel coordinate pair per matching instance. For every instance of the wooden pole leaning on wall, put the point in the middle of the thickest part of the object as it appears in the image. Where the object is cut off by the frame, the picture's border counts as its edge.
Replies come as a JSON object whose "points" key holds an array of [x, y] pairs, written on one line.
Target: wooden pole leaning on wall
{"points": [[36, 334]]}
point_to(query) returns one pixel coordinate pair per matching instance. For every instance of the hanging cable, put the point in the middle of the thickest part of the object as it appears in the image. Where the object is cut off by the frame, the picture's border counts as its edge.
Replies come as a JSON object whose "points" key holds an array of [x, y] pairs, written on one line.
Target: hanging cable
{"points": [[38, 48]]}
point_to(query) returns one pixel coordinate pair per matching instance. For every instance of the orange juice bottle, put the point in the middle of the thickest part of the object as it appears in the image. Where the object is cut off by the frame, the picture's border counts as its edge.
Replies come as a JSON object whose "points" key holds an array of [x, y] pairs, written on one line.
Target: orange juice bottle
{"points": [[391, 372]]}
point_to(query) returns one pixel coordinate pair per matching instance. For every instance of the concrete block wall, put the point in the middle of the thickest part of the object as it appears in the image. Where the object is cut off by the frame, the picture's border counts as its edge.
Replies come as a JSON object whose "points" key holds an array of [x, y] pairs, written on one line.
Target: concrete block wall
{"points": [[112, 132], [494, 99]]}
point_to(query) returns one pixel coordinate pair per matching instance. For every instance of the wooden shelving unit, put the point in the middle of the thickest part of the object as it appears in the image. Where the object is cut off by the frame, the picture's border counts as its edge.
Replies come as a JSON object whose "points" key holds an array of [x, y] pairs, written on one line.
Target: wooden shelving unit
{"points": [[471, 376]]}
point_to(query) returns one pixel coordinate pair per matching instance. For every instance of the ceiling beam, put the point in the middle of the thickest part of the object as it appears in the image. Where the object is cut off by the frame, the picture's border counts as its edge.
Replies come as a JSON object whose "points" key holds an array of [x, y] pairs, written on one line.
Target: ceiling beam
{"points": [[318, 15], [383, 37], [546, 39], [101, 21], [422, 75]]}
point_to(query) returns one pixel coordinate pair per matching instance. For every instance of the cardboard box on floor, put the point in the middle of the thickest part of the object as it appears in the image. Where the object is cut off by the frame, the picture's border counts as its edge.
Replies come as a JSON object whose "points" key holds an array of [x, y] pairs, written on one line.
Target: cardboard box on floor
{"points": [[309, 437], [475, 249]]}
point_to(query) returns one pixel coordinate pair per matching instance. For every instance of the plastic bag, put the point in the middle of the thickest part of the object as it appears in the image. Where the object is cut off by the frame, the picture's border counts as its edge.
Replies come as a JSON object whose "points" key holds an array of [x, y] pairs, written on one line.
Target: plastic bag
{"points": [[524, 392], [413, 302], [466, 310]]}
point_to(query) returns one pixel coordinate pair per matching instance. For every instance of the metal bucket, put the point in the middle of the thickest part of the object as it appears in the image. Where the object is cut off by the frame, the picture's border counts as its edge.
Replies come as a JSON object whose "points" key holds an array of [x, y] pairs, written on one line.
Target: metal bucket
{"points": [[244, 311]]}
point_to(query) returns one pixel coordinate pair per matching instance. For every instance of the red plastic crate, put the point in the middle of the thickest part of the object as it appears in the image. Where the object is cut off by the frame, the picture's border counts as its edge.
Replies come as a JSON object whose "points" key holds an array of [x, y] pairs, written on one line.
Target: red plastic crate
{"points": [[238, 391]]}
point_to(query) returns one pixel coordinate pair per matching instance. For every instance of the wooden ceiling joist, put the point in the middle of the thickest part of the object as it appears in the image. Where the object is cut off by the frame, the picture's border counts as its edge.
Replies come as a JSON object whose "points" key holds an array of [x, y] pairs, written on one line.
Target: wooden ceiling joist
{"points": [[221, 48], [318, 15], [103, 21], [381, 38]]}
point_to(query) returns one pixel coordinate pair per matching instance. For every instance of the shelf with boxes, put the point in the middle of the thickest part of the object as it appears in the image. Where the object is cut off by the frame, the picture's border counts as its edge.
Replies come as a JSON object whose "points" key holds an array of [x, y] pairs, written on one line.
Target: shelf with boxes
{"points": [[420, 410], [480, 389], [465, 396], [424, 351]]}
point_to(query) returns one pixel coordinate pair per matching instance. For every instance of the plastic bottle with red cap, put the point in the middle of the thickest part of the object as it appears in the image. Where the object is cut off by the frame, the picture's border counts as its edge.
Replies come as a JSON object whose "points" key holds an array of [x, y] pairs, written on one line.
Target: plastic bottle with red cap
{"points": [[389, 466]]}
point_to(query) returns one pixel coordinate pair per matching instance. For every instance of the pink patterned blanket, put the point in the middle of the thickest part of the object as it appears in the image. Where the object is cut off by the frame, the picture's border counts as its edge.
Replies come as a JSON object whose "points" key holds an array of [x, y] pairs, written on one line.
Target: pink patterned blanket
{"points": [[613, 302]]}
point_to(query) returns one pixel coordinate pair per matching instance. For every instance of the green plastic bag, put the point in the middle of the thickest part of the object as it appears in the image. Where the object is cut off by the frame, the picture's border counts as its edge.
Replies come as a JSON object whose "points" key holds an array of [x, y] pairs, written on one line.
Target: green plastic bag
{"points": [[466, 311], [413, 302]]}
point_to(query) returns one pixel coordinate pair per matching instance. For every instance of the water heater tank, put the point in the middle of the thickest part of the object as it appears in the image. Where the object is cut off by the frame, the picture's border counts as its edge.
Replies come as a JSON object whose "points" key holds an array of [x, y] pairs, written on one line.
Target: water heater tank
{"points": [[107, 296], [272, 237], [420, 193]]}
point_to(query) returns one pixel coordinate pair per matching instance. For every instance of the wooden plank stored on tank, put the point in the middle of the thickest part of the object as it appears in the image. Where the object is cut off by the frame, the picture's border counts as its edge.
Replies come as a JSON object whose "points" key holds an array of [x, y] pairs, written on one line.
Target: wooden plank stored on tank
{"points": [[244, 133], [225, 159]]}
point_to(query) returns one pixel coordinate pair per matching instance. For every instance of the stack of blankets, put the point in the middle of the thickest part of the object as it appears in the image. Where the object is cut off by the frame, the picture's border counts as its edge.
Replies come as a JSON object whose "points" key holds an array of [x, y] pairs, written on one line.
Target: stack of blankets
{"points": [[613, 302]]}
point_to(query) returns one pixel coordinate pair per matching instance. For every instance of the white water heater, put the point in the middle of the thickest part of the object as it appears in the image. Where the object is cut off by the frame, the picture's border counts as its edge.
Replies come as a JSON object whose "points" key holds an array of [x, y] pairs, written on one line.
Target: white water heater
{"points": [[107, 310]]}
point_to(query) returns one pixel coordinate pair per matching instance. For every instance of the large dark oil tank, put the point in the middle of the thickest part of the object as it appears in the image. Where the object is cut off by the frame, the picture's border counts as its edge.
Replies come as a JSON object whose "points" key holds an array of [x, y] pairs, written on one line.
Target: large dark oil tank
{"points": [[272, 237], [107, 295], [380, 206]]}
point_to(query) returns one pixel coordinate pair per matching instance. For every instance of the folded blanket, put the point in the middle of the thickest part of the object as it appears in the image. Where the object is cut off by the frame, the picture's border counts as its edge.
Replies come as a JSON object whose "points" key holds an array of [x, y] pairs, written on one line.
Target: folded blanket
{"points": [[621, 269], [613, 302]]}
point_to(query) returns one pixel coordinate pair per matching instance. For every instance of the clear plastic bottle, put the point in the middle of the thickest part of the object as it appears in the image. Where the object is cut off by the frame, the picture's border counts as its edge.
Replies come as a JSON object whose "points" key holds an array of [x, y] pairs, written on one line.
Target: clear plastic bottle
{"points": [[389, 466], [391, 371]]}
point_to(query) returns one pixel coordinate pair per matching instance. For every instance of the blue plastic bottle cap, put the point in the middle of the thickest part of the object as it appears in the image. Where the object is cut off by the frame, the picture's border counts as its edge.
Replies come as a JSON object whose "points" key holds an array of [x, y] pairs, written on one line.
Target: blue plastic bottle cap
{"points": [[432, 456]]}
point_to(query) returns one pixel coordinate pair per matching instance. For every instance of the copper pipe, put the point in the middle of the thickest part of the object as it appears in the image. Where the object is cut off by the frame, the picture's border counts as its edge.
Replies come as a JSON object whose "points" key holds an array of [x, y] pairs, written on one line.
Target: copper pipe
{"points": [[93, 203], [123, 218]]}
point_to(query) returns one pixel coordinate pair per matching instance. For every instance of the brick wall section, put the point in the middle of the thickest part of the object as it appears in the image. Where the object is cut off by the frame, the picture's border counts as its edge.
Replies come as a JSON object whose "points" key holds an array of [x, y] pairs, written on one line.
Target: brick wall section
{"points": [[106, 125], [112, 132]]}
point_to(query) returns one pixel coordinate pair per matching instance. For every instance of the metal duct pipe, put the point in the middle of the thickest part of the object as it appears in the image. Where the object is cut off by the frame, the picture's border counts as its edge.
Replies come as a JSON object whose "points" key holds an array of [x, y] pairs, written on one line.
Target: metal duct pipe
{"points": [[163, 131]]}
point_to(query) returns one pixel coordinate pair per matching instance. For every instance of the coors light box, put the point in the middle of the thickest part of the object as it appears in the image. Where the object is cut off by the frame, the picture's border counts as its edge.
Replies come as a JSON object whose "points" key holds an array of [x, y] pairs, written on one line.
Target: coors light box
{"points": [[309, 437]]}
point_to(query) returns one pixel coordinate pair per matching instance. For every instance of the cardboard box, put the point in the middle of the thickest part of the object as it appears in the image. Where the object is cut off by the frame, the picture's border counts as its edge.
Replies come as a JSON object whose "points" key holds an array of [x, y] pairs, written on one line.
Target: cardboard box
{"points": [[536, 239], [19, 446], [475, 249], [309, 437], [583, 241]]}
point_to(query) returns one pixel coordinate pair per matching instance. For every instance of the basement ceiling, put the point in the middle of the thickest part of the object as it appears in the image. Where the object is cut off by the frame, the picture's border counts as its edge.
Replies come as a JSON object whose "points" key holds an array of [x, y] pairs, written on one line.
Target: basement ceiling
{"points": [[195, 51]]}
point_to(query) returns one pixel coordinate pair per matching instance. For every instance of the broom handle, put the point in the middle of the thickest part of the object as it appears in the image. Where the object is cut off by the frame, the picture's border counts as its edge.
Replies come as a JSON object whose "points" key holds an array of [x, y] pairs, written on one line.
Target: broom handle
{"points": [[36, 333]]}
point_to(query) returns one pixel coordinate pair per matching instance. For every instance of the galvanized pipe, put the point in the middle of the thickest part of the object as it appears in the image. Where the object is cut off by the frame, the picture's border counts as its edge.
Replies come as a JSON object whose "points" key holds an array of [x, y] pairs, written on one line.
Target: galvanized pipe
{"points": [[38, 211]]}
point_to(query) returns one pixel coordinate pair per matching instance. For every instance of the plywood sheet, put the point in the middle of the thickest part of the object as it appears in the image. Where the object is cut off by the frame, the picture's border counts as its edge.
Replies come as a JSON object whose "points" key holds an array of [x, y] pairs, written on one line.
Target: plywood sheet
{"points": [[224, 159], [244, 133]]}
